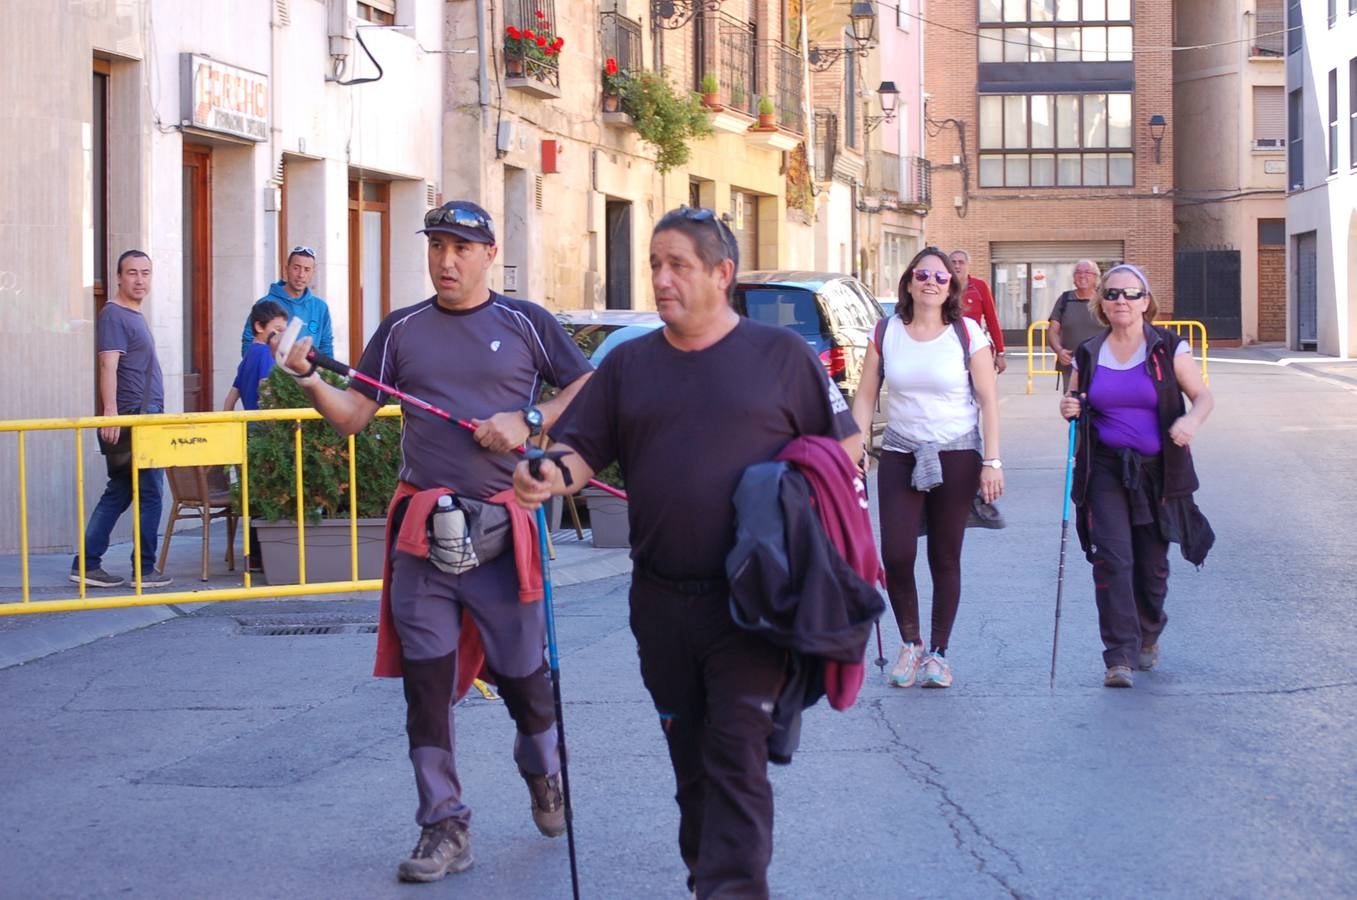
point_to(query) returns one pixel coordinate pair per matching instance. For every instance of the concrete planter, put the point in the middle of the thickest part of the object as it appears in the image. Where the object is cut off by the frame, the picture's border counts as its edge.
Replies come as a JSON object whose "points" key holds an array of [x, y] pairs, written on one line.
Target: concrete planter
{"points": [[608, 519], [327, 550]]}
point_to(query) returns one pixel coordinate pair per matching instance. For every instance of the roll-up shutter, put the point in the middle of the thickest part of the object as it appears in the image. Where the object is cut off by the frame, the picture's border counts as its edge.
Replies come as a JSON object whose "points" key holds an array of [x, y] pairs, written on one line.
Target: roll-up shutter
{"points": [[1269, 116], [1056, 251]]}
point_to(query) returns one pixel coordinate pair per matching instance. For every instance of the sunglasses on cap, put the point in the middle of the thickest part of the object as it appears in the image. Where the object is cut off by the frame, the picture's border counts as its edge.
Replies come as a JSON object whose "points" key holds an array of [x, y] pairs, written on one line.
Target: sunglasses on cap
{"points": [[464, 218], [302, 250], [1115, 294], [939, 277]]}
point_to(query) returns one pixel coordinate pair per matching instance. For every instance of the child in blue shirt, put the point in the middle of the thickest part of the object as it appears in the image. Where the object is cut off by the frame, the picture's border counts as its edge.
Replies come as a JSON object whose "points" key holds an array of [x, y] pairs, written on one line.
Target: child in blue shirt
{"points": [[267, 318]]}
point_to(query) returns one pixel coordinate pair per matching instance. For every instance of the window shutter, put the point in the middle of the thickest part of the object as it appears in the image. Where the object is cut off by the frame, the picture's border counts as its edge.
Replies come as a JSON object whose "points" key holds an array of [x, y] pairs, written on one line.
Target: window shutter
{"points": [[1269, 116]]}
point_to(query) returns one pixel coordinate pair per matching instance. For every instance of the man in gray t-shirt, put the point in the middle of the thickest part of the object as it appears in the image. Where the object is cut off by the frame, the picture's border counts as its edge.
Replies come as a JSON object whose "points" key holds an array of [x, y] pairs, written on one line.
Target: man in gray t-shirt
{"points": [[129, 383], [1071, 319], [484, 357]]}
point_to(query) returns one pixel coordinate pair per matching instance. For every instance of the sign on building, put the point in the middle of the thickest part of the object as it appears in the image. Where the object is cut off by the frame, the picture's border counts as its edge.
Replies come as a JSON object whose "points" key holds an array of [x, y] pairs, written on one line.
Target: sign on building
{"points": [[223, 98]]}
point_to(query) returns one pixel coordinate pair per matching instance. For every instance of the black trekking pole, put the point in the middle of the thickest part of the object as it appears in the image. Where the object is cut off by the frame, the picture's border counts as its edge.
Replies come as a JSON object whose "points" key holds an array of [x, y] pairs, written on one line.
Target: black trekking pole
{"points": [[535, 457], [320, 359], [1064, 532]]}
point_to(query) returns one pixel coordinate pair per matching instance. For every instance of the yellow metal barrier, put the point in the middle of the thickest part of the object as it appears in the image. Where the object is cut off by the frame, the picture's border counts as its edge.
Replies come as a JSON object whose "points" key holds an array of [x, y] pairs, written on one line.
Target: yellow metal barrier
{"points": [[182, 439], [1038, 353]]}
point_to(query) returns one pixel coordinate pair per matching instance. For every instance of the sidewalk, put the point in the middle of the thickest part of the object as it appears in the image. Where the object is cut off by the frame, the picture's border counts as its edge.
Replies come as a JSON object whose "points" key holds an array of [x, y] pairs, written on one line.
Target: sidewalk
{"points": [[24, 638], [1330, 368]]}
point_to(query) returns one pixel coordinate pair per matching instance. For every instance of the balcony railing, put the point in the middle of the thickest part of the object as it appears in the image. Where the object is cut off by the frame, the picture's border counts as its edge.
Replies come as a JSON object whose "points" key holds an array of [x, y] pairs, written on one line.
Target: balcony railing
{"points": [[884, 174], [916, 188], [621, 40], [524, 57], [1269, 29], [737, 65], [787, 68], [826, 144]]}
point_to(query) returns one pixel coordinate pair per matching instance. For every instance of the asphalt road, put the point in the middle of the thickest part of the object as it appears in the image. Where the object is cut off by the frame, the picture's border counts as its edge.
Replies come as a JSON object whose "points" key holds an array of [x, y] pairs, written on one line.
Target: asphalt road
{"points": [[193, 759]]}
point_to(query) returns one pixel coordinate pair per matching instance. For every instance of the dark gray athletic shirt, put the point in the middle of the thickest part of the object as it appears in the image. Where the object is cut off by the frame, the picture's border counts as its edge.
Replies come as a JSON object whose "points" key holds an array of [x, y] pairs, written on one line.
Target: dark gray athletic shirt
{"points": [[685, 425], [473, 364], [1076, 321], [140, 384]]}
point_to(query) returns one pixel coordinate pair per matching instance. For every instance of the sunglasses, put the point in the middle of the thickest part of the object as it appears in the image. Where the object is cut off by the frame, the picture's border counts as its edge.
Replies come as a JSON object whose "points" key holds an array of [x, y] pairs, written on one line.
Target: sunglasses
{"points": [[302, 250], [939, 277], [464, 218], [703, 214], [1115, 294]]}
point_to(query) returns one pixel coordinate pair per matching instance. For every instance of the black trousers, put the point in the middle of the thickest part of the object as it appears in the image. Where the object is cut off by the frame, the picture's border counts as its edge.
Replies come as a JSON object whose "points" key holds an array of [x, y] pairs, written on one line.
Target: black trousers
{"points": [[1130, 566], [714, 686]]}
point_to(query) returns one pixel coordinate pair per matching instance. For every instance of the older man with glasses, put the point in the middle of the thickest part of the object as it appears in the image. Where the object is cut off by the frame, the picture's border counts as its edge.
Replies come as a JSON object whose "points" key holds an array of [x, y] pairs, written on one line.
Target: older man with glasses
{"points": [[1072, 318], [293, 292]]}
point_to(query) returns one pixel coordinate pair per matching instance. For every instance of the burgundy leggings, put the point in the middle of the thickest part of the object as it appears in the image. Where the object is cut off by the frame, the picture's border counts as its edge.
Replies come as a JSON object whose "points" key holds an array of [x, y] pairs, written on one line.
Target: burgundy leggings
{"points": [[902, 510]]}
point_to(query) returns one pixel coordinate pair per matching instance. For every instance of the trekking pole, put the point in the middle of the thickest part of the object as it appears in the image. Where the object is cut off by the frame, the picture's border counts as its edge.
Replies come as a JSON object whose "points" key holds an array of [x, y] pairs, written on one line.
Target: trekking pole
{"points": [[1064, 531], [535, 457], [867, 455], [325, 362]]}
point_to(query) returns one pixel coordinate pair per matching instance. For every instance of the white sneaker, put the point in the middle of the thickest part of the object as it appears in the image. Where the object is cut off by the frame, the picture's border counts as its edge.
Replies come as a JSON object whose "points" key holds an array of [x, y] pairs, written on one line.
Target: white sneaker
{"points": [[906, 667], [936, 672]]}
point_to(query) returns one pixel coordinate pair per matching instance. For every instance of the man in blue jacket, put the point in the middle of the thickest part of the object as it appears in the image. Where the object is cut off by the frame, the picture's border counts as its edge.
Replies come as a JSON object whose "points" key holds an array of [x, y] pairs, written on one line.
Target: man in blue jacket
{"points": [[294, 293]]}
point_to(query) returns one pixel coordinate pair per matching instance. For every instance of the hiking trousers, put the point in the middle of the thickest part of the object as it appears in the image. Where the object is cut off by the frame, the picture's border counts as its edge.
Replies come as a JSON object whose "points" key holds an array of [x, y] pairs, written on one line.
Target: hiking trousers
{"points": [[714, 686]]}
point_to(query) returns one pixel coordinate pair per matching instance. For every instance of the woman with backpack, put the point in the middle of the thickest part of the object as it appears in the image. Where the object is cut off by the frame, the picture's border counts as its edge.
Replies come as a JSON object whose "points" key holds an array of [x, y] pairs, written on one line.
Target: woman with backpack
{"points": [[1133, 474], [942, 410]]}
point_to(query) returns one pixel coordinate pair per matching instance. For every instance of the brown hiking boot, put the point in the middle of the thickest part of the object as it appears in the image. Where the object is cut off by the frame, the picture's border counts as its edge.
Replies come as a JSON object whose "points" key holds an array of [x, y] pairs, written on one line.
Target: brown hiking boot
{"points": [[443, 847], [548, 803]]}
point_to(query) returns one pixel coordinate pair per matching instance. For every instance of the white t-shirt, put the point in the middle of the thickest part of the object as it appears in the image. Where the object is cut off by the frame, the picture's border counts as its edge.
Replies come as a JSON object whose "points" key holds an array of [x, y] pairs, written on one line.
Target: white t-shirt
{"points": [[930, 400]]}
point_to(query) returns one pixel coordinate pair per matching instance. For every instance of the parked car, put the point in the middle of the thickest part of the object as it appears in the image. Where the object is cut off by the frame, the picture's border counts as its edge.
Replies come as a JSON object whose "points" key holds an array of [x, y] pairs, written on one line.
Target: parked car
{"points": [[835, 313], [887, 306], [598, 331]]}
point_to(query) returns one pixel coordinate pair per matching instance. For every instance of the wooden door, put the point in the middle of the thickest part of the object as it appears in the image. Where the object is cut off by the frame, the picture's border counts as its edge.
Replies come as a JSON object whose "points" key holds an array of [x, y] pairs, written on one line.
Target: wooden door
{"points": [[197, 285]]}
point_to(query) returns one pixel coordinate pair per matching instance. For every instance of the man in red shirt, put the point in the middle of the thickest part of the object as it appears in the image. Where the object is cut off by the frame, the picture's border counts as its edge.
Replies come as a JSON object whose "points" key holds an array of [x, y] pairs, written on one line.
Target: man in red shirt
{"points": [[978, 303]]}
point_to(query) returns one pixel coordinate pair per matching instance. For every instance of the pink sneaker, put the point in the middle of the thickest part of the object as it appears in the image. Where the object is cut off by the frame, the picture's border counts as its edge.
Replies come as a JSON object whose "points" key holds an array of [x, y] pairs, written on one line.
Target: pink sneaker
{"points": [[936, 672], [906, 667]]}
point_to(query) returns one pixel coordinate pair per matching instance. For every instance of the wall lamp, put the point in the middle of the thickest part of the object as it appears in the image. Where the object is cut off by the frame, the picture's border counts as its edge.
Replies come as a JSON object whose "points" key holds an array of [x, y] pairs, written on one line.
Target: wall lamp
{"points": [[671, 14], [862, 19], [1157, 126], [890, 99]]}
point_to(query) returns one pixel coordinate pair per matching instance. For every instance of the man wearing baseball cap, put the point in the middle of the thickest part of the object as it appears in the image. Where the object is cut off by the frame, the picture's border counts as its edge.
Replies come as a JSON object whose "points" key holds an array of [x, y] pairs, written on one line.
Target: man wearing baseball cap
{"points": [[485, 357]]}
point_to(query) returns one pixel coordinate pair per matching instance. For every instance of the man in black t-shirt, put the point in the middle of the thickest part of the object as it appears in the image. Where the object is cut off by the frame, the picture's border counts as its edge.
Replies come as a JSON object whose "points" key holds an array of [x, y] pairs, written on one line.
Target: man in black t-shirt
{"points": [[685, 410], [485, 356]]}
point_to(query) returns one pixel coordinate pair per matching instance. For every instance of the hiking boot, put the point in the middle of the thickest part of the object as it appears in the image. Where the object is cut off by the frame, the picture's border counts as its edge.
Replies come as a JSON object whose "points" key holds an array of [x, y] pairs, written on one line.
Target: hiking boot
{"points": [[1119, 677], [443, 847], [906, 667], [97, 578], [1149, 657], [936, 672], [155, 578], [548, 803]]}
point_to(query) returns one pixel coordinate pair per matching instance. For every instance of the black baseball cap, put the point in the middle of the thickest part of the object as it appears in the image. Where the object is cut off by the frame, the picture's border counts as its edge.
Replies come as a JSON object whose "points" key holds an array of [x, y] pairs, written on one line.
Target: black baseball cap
{"points": [[460, 218]]}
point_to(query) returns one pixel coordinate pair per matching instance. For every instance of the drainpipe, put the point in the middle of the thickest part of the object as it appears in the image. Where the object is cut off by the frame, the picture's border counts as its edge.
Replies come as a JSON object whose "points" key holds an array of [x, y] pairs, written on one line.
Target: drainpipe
{"points": [[483, 75]]}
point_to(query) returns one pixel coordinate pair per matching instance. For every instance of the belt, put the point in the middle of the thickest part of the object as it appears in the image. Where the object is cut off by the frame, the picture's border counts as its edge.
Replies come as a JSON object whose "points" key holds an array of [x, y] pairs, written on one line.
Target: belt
{"points": [[692, 587]]}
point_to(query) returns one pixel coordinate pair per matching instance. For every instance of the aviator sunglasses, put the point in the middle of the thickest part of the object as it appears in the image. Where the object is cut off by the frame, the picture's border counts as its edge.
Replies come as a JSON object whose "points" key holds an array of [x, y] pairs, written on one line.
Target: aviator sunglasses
{"points": [[455, 216]]}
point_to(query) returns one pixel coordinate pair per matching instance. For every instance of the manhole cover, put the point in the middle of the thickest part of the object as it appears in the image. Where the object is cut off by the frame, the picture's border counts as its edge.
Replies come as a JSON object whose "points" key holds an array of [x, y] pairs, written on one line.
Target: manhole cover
{"points": [[298, 626]]}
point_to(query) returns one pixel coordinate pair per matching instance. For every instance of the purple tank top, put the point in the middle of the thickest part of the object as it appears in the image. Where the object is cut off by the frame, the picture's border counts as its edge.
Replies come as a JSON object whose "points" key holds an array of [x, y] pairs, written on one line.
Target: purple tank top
{"points": [[1126, 409]]}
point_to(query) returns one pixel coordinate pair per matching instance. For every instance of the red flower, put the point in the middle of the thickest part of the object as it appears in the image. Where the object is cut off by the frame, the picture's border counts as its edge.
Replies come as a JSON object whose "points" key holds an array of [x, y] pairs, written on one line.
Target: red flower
{"points": [[540, 14], [528, 34], [610, 66], [541, 41], [558, 43], [514, 33], [549, 52]]}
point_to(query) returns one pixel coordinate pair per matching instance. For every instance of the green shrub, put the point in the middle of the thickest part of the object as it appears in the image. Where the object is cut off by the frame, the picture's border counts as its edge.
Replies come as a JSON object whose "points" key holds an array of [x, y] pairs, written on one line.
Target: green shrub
{"points": [[664, 118]]}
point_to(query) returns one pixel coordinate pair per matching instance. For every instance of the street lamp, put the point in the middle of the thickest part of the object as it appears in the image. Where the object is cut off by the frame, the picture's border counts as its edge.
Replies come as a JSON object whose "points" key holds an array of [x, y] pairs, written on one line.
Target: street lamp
{"points": [[1157, 125], [862, 22], [890, 99], [671, 14]]}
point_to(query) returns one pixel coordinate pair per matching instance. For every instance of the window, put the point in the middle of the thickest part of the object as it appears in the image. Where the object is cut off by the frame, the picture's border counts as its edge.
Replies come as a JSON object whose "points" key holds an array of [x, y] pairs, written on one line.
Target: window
{"points": [[1295, 128], [99, 182], [1055, 140], [1269, 117], [1295, 35], [1055, 31], [850, 96], [1333, 12], [904, 21], [380, 12], [1352, 106], [369, 260], [1269, 29], [1333, 121]]}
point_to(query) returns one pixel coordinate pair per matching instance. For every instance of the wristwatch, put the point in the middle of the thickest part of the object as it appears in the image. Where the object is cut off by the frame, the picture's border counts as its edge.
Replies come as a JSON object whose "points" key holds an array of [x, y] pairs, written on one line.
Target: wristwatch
{"points": [[533, 416], [992, 463]]}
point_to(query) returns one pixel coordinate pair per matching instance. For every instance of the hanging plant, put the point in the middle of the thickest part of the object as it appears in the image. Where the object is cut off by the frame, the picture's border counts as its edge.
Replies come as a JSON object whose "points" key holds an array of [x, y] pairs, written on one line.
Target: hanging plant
{"points": [[664, 118]]}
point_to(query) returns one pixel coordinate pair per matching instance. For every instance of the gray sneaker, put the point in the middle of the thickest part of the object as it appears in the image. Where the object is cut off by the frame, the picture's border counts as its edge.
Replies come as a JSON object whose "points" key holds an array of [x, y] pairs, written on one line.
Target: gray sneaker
{"points": [[1118, 677], [155, 578], [443, 847], [96, 578], [548, 803]]}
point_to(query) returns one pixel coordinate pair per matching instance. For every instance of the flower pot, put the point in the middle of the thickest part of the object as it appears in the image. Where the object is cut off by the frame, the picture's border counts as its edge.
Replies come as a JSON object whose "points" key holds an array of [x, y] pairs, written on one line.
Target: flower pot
{"points": [[513, 66], [608, 520], [712, 101], [612, 103], [327, 550], [767, 120]]}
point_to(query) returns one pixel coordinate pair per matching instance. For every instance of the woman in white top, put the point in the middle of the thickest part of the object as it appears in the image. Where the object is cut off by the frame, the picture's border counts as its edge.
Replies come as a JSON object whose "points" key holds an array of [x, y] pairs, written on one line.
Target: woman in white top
{"points": [[942, 397]]}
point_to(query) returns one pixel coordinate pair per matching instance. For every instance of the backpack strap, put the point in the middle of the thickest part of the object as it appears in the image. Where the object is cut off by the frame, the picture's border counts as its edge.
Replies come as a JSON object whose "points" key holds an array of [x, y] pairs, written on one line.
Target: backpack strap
{"points": [[964, 338], [878, 338]]}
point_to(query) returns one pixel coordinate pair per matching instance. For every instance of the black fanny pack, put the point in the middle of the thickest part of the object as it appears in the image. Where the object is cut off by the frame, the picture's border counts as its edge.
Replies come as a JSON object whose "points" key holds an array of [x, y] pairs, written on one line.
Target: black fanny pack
{"points": [[464, 533]]}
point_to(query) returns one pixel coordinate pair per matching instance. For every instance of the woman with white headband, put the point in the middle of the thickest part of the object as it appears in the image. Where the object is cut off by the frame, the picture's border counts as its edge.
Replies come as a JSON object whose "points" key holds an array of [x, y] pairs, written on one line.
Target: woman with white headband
{"points": [[1133, 474]]}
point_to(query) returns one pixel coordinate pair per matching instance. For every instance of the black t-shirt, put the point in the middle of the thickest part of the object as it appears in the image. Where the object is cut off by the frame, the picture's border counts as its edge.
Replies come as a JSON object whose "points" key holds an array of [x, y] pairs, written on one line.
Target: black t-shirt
{"points": [[685, 425], [473, 364]]}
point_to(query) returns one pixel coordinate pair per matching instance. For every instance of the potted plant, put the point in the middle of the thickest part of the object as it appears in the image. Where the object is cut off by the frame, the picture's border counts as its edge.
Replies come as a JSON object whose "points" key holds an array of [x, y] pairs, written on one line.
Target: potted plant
{"points": [[663, 117], [767, 112], [711, 92], [608, 514], [325, 474], [614, 81], [529, 48]]}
